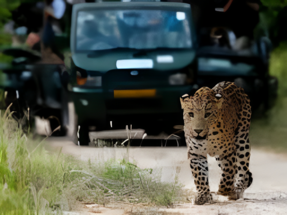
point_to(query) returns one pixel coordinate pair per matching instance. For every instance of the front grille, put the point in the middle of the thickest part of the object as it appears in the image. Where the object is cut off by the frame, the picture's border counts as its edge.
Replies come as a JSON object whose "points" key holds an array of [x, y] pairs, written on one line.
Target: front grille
{"points": [[132, 104], [123, 79]]}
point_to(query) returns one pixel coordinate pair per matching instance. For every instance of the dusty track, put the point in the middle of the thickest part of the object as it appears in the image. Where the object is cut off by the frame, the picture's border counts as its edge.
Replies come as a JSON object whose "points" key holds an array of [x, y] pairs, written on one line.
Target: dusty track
{"points": [[267, 195]]}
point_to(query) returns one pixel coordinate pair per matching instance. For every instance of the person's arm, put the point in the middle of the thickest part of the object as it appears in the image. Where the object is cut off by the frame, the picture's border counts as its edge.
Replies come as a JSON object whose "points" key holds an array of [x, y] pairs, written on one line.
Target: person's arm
{"points": [[254, 4], [56, 9]]}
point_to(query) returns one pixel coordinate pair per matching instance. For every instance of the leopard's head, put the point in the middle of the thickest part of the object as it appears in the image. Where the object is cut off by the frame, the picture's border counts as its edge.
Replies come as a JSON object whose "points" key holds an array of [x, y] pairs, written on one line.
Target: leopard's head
{"points": [[200, 111]]}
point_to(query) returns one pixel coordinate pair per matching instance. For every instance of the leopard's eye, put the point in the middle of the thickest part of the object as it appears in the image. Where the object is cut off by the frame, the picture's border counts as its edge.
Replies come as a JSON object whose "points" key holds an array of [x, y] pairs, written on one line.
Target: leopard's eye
{"points": [[191, 114], [207, 115]]}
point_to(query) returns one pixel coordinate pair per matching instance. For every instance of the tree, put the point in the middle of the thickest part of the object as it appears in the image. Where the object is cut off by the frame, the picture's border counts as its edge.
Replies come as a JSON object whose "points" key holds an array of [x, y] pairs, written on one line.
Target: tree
{"points": [[273, 16], [274, 3], [6, 6]]}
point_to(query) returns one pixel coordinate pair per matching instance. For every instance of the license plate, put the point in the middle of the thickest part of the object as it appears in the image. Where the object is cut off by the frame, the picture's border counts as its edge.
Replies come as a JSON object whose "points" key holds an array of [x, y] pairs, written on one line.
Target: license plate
{"points": [[134, 93]]}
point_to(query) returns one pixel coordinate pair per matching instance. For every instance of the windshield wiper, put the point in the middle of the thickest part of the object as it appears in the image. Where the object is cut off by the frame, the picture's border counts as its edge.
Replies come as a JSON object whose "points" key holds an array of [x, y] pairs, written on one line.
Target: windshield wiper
{"points": [[96, 53], [140, 53]]}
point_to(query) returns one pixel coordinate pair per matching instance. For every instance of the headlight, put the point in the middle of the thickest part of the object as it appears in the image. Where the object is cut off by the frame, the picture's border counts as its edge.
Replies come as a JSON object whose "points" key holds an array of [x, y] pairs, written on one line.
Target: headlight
{"points": [[84, 79], [177, 79], [94, 81], [81, 77]]}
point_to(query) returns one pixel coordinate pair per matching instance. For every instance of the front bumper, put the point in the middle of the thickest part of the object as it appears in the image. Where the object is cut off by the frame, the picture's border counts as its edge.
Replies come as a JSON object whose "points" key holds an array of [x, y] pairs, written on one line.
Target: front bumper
{"points": [[98, 106]]}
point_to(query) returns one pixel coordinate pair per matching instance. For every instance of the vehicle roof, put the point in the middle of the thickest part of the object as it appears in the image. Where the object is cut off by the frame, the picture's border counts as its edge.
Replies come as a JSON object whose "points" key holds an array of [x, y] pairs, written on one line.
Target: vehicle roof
{"points": [[89, 5]]}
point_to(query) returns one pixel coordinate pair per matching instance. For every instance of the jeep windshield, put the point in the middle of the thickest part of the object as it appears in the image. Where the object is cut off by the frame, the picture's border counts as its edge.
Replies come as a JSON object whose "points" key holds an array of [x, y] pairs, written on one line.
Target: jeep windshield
{"points": [[132, 29]]}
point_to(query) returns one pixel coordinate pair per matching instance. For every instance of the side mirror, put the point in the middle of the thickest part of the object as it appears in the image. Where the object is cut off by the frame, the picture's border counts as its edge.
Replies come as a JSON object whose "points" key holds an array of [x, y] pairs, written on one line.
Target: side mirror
{"points": [[19, 61], [21, 56]]}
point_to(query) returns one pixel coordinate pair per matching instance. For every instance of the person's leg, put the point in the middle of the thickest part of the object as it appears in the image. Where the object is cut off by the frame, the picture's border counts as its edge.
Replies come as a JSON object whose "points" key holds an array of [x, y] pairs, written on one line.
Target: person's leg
{"points": [[241, 43]]}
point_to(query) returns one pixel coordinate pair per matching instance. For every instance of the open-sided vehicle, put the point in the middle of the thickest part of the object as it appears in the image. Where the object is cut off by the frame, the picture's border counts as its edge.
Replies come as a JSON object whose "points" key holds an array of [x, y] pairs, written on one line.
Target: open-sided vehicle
{"points": [[33, 87], [247, 67], [131, 61], [233, 47]]}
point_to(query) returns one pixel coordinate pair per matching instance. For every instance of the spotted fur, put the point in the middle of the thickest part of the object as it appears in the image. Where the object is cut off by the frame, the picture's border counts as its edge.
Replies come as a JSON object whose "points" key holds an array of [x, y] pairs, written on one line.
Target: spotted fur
{"points": [[217, 122]]}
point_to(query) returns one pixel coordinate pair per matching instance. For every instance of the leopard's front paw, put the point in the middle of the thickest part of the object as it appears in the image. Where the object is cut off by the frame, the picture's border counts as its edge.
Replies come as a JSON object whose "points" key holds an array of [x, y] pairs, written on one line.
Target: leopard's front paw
{"points": [[236, 194], [203, 198]]}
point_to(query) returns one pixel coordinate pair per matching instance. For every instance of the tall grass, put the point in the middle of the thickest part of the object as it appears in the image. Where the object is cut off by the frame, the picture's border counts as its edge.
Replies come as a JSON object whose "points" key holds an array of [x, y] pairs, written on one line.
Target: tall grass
{"points": [[35, 181]]}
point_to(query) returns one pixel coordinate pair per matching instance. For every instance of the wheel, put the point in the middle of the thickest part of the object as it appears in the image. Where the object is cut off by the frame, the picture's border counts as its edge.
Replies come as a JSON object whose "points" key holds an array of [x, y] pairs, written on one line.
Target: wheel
{"points": [[83, 135], [153, 129], [67, 114], [78, 133]]}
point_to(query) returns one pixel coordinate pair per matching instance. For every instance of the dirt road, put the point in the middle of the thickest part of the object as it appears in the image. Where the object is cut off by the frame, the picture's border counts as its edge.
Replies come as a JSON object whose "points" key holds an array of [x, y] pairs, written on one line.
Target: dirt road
{"points": [[267, 195]]}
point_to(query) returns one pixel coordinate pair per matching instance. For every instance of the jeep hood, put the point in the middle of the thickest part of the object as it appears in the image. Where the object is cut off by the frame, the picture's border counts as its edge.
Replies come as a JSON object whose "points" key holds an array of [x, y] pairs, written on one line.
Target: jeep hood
{"points": [[157, 60]]}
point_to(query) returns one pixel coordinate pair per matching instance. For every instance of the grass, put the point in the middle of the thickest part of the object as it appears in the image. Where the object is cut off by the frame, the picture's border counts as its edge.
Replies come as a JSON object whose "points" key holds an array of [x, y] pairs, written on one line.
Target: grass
{"points": [[35, 181], [270, 130]]}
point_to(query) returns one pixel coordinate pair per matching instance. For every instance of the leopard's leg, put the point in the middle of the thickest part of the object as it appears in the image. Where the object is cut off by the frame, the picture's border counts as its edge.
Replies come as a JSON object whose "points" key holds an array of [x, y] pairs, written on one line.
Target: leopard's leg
{"points": [[199, 168], [248, 179], [227, 164], [243, 177]]}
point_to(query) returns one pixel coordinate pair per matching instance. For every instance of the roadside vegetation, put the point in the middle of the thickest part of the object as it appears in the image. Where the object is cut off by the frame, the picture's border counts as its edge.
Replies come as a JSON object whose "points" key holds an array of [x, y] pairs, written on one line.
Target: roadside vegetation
{"points": [[35, 181], [270, 129]]}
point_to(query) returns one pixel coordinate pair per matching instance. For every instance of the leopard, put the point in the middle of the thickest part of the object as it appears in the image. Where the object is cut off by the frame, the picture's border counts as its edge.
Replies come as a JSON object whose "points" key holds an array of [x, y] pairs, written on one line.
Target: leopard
{"points": [[217, 123]]}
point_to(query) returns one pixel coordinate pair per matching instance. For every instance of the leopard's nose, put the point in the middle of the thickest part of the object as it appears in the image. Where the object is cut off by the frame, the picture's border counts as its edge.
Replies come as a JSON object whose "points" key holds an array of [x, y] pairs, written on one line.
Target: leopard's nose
{"points": [[198, 131]]}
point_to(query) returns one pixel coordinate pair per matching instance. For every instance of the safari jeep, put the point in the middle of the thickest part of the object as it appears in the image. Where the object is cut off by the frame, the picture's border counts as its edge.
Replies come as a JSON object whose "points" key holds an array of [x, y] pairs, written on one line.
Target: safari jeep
{"points": [[131, 61]]}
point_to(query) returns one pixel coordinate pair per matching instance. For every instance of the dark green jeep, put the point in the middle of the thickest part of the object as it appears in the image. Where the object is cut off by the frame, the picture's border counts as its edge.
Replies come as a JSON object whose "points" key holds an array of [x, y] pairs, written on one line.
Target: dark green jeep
{"points": [[131, 61]]}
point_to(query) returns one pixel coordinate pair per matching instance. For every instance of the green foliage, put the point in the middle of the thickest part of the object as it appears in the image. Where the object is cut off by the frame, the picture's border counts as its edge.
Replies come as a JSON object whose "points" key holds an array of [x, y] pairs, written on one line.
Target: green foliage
{"points": [[7, 177], [35, 181], [5, 59], [6, 6], [5, 39], [140, 185], [272, 20], [278, 67], [274, 3], [270, 130]]}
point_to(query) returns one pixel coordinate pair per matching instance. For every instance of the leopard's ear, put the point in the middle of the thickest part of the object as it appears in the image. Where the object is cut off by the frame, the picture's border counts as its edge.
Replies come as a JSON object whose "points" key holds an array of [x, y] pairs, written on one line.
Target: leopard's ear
{"points": [[185, 96]]}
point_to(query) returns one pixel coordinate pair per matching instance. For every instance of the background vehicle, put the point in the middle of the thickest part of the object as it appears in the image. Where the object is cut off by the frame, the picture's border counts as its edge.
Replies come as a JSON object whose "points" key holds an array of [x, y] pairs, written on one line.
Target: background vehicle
{"points": [[248, 67], [234, 46], [130, 64], [34, 86]]}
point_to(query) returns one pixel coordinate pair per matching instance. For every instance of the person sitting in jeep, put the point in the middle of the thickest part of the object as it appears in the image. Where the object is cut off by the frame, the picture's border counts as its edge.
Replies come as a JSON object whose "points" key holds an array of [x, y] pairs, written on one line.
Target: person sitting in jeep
{"points": [[240, 16]]}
